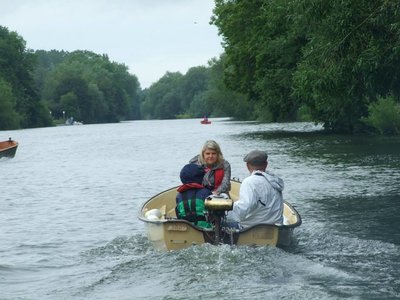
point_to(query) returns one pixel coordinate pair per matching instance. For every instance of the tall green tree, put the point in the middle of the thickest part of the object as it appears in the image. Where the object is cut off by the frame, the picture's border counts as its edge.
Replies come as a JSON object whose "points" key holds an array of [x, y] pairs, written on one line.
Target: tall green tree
{"points": [[333, 57], [262, 52], [46, 61], [199, 92], [9, 118], [351, 58], [194, 83], [16, 71], [90, 88], [222, 101], [163, 99]]}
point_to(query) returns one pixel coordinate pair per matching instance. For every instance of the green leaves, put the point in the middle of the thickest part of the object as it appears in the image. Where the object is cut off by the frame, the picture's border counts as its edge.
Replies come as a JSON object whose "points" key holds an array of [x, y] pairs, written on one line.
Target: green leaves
{"points": [[9, 118], [332, 57], [88, 87], [19, 102], [384, 116]]}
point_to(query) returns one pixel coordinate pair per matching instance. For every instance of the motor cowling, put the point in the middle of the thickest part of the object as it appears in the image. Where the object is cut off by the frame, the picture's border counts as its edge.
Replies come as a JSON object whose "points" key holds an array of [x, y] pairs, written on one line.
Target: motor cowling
{"points": [[218, 203]]}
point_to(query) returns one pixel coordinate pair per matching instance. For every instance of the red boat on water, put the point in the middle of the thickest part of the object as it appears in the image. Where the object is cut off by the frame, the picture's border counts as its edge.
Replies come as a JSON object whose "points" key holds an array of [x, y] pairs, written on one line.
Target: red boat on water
{"points": [[8, 148], [205, 121]]}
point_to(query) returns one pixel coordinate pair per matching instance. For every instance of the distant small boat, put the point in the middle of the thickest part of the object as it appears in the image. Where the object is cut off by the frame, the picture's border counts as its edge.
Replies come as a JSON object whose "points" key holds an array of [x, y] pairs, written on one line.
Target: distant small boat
{"points": [[205, 121], [8, 148], [70, 121]]}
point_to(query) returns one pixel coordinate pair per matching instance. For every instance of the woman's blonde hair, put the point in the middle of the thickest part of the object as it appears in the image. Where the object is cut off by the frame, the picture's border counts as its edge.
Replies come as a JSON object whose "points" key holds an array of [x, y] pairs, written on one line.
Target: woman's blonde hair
{"points": [[211, 145]]}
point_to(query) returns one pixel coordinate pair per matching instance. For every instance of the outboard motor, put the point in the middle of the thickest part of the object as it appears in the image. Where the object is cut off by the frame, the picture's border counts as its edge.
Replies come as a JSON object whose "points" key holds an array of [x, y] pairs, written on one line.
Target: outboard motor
{"points": [[216, 207]]}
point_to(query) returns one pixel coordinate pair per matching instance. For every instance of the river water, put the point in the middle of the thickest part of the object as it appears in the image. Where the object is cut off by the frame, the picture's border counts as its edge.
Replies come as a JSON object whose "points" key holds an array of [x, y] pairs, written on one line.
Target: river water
{"points": [[70, 198]]}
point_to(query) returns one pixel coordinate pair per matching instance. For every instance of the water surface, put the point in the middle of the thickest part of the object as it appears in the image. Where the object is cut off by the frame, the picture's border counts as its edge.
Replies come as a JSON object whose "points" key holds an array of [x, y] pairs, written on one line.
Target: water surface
{"points": [[70, 199]]}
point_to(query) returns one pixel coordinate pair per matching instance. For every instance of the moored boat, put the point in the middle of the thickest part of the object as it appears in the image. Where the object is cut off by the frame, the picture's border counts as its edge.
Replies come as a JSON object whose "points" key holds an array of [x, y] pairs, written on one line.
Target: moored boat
{"points": [[70, 121], [8, 148], [166, 232]]}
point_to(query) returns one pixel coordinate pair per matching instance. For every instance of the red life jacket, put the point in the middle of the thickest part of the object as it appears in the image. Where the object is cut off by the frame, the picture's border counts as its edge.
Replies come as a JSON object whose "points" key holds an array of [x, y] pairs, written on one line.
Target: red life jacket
{"points": [[188, 186], [218, 176]]}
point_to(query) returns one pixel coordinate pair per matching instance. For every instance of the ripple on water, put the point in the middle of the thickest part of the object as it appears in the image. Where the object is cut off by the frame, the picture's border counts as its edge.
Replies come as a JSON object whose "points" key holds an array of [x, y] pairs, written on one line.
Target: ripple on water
{"points": [[69, 227]]}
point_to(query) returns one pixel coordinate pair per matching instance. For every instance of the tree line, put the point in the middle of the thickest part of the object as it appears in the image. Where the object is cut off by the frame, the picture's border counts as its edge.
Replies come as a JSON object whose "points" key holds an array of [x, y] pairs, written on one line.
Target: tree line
{"points": [[200, 92], [335, 63], [86, 86], [40, 87], [20, 104]]}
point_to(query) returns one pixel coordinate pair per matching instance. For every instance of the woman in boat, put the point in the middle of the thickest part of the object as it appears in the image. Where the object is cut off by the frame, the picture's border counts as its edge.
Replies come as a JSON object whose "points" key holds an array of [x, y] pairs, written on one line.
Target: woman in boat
{"points": [[218, 170], [191, 196]]}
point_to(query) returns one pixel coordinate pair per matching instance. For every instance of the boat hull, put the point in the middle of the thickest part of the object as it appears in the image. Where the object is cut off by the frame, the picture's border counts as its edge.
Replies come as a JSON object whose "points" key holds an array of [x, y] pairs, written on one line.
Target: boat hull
{"points": [[8, 148], [170, 233]]}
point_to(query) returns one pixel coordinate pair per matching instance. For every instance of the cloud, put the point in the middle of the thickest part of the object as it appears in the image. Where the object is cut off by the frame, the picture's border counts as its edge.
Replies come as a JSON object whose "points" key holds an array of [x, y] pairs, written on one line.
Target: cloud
{"points": [[150, 37]]}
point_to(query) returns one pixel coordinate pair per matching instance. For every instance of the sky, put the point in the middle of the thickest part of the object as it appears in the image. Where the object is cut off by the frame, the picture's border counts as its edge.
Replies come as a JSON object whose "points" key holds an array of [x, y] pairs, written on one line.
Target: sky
{"points": [[151, 37]]}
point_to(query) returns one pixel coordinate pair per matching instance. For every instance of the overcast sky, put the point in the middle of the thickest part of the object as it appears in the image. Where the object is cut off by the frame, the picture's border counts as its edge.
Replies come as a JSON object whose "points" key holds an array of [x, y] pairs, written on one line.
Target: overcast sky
{"points": [[151, 37]]}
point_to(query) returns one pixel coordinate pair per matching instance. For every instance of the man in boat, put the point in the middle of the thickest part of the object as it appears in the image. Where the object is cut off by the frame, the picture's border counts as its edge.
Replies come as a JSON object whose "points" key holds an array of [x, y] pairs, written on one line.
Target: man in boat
{"points": [[191, 196], [260, 197]]}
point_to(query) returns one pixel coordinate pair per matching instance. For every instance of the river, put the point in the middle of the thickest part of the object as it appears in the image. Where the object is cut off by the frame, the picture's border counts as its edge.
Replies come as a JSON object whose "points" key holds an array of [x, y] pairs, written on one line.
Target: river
{"points": [[70, 198]]}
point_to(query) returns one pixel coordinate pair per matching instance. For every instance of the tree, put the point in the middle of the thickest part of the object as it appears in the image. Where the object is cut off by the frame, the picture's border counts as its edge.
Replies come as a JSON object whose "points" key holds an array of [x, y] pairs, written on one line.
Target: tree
{"points": [[9, 118], [222, 101], [16, 68], [89, 87], [332, 58], [262, 52], [351, 58], [163, 99], [194, 83]]}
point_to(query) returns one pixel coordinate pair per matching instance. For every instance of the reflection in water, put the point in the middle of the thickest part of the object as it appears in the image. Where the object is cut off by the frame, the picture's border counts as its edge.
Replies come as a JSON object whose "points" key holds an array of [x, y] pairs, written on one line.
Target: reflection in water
{"points": [[347, 190], [337, 149]]}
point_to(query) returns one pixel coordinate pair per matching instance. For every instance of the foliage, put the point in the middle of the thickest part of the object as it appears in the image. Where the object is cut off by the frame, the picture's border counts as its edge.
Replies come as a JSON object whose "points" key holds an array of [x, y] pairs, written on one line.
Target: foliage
{"points": [[333, 57], [384, 115], [87, 87], [330, 62], [223, 101], [352, 57], [46, 61], [304, 114], [20, 104], [163, 99], [262, 52], [194, 84], [9, 118], [200, 92]]}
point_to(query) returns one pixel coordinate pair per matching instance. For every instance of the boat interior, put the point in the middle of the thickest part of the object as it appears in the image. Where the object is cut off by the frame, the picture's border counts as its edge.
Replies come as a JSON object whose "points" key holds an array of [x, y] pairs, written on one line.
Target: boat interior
{"points": [[165, 202]]}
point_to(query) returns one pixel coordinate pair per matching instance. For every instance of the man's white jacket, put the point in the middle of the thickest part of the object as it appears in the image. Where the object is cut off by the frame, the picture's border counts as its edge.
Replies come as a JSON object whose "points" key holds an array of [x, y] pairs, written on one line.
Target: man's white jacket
{"points": [[260, 200]]}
